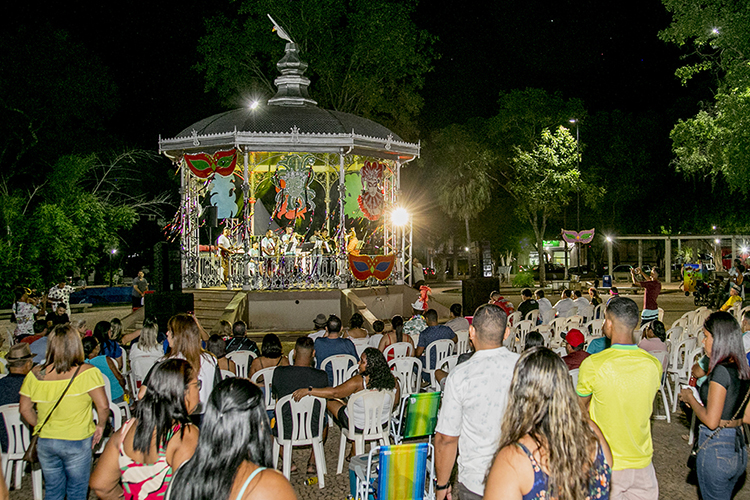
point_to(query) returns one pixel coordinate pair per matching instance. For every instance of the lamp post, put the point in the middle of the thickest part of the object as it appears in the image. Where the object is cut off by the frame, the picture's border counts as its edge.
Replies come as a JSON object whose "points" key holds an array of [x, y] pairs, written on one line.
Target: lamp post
{"points": [[401, 218], [609, 257], [111, 253]]}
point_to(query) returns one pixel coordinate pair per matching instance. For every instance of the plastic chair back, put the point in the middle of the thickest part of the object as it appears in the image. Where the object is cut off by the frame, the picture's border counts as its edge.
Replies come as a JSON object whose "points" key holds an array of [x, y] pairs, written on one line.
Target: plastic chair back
{"points": [[225, 374], [514, 318], [574, 377], [267, 374], [598, 312], [441, 348], [340, 364], [18, 440], [408, 371], [242, 359], [532, 316], [399, 350], [462, 345], [302, 432], [418, 414]]}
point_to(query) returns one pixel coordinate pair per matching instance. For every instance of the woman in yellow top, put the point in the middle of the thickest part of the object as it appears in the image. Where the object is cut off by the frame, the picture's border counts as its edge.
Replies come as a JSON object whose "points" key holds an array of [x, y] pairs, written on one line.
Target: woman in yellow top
{"points": [[65, 442]]}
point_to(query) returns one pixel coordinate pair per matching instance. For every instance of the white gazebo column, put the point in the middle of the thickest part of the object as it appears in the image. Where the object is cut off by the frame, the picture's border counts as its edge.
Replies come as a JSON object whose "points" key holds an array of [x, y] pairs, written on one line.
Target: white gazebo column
{"points": [[341, 254], [735, 250], [640, 253], [668, 260]]}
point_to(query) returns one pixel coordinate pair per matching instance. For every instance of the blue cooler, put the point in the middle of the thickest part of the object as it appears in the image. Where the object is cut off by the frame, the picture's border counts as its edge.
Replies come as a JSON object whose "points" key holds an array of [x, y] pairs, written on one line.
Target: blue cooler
{"points": [[357, 470]]}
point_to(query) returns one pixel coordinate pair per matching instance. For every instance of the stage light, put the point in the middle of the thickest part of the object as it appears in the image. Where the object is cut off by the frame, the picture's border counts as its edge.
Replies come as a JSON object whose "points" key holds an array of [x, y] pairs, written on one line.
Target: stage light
{"points": [[717, 241], [609, 239], [743, 249], [400, 216], [254, 104]]}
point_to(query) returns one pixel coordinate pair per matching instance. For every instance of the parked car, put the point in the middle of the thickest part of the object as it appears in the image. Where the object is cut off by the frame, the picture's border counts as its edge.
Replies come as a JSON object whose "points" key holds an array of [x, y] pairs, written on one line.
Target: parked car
{"points": [[584, 272], [552, 271]]}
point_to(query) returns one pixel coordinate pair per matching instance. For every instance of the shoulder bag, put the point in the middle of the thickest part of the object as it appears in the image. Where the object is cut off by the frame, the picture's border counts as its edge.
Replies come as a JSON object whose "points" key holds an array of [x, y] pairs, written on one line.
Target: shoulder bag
{"points": [[30, 455]]}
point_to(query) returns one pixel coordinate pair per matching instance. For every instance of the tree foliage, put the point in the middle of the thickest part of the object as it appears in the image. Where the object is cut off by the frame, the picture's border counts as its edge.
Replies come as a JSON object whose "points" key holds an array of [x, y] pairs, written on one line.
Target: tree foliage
{"points": [[715, 142], [69, 221], [365, 57], [542, 179]]}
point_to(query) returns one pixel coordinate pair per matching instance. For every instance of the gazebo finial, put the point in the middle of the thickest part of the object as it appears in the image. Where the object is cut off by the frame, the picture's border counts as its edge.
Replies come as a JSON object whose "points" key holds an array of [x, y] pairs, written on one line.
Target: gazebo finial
{"points": [[291, 85]]}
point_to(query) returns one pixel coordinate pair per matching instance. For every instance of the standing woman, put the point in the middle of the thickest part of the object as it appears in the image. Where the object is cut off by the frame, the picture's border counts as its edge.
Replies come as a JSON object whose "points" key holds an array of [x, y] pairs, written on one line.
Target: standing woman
{"points": [[549, 447], [140, 457], [24, 310], [234, 459], [722, 457], [66, 439], [184, 337]]}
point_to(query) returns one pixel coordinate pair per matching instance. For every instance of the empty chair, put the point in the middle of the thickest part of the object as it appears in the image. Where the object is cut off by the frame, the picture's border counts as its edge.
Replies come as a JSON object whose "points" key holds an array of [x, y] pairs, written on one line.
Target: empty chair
{"points": [[242, 359], [462, 345], [375, 340], [594, 327], [416, 416], [408, 371], [375, 427], [433, 355], [398, 350], [301, 433], [557, 326], [574, 321], [683, 357], [339, 365], [267, 375], [401, 471]]}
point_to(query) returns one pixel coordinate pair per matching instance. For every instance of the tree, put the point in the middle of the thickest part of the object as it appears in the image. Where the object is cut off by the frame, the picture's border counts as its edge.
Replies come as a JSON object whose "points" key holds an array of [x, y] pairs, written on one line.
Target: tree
{"points": [[365, 57], [541, 181], [462, 167], [715, 142], [70, 221]]}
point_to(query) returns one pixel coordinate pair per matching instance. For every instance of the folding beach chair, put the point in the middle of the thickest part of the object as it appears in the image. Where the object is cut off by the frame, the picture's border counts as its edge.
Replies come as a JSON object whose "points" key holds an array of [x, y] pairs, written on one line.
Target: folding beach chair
{"points": [[397, 472], [417, 417]]}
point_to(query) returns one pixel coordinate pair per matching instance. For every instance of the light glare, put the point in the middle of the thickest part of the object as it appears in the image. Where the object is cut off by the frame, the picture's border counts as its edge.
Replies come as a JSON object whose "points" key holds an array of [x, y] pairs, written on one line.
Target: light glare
{"points": [[254, 104], [400, 216]]}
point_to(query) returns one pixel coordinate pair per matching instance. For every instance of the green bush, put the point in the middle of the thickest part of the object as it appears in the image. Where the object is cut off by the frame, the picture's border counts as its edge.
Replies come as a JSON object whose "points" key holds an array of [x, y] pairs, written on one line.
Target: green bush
{"points": [[523, 280]]}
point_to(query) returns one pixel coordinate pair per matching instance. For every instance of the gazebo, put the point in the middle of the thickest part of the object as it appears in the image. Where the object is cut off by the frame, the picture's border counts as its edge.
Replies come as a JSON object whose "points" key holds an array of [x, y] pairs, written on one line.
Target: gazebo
{"points": [[293, 143]]}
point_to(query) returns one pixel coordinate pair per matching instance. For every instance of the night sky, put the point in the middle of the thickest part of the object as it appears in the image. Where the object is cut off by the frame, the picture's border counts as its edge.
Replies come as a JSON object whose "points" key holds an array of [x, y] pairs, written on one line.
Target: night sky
{"points": [[606, 53]]}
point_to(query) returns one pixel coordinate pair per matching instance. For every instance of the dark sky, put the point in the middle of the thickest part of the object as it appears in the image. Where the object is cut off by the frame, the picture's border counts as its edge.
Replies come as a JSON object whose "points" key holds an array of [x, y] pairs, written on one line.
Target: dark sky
{"points": [[606, 53]]}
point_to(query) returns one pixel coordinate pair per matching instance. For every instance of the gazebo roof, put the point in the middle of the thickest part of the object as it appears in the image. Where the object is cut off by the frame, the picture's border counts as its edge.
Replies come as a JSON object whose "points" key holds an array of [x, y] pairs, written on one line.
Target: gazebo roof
{"points": [[290, 122]]}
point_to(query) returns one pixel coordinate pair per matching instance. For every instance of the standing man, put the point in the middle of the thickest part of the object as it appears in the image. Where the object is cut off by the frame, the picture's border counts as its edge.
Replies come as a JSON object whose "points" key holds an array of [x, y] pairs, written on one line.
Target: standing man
{"points": [[476, 393], [652, 288], [140, 287], [60, 294], [225, 250], [617, 386]]}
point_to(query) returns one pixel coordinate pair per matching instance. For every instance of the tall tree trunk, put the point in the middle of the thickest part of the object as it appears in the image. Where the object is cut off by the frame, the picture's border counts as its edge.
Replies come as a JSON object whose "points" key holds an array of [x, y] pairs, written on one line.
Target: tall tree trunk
{"points": [[468, 242]]}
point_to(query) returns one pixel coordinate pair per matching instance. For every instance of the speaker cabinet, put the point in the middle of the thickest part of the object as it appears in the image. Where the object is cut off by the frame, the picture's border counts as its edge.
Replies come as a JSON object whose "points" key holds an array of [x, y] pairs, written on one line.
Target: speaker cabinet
{"points": [[164, 305], [476, 291]]}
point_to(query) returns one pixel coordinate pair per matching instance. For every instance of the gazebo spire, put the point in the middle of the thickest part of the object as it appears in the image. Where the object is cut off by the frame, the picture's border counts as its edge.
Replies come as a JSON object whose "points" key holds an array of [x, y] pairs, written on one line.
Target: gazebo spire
{"points": [[291, 85]]}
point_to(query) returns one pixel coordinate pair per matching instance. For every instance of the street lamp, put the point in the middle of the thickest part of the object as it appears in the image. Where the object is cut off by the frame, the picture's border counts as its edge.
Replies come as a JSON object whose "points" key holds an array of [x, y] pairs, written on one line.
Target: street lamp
{"points": [[609, 256], [111, 253]]}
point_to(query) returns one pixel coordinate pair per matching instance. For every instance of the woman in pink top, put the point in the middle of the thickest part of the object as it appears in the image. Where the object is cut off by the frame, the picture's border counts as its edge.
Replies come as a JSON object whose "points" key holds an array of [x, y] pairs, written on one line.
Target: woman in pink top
{"points": [[139, 459]]}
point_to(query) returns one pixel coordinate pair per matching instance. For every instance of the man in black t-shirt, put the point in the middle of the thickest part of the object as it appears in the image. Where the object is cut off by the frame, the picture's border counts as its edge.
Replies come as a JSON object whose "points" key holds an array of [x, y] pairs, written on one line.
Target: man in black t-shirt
{"points": [[239, 342], [528, 304], [287, 379], [57, 317]]}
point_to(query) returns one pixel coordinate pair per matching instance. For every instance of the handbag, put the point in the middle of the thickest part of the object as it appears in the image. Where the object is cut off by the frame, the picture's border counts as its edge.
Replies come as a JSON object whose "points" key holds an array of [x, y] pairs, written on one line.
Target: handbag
{"points": [[30, 455], [692, 461]]}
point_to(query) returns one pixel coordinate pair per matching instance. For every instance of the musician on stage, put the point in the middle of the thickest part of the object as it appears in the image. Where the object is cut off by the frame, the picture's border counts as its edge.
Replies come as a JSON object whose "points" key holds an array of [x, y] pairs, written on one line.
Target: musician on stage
{"points": [[289, 243], [225, 250], [352, 242]]}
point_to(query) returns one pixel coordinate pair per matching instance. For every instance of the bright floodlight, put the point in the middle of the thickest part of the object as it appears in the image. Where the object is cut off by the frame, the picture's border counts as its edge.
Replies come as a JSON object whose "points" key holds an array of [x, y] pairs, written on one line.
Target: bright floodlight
{"points": [[466, 248], [609, 239], [400, 216], [743, 249], [713, 227], [572, 120], [114, 251], [254, 104], [715, 31], [717, 241]]}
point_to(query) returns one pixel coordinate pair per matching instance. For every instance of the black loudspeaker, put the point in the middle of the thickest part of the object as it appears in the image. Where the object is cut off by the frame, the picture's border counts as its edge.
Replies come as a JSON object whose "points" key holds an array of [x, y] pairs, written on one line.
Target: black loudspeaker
{"points": [[476, 291], [211, 214], [167, 272], [165, 305]]}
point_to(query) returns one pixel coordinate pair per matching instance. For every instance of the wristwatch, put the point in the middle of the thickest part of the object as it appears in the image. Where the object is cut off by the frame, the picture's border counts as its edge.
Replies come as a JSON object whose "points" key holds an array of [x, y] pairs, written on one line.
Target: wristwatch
{"points": [[440, 487]]}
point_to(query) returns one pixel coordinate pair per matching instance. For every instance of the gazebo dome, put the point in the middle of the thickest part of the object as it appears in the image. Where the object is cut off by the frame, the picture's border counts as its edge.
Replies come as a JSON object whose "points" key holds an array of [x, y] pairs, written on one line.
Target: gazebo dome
{"points": [[290, 122]]}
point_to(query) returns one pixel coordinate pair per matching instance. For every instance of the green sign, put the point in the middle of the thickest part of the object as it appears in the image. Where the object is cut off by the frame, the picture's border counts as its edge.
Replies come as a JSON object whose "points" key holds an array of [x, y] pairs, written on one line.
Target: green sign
{"points": [[551, 243]]}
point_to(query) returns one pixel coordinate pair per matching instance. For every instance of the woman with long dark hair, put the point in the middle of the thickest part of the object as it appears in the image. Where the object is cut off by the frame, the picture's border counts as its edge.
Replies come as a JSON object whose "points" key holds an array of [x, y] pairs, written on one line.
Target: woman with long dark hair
{"points": [[139, 459], [722, 457], [549, 446], [66, 439], [109, 347], [234, 458], [373, 374], [270, 355], [397, 322]]}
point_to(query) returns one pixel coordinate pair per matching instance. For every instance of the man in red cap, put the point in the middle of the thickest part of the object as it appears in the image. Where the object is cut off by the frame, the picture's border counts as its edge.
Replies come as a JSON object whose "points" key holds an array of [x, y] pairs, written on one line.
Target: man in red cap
{"points": [[574, 346]]}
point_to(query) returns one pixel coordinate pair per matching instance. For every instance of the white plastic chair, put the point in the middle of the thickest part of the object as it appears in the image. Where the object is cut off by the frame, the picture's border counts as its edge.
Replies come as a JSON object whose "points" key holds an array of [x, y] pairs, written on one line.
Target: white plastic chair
{"points": [[549, 316], [462, 345], [674, 333], [408, 371], [227, 374], [414, 338], [291, 357], [376, 427], [661, 314], [302, 434], [399, 350], [742, 313], [514, 318], [663, 357], [375, 339], [533, 316], [442, 349], [267, 374], [340, 364], [681, 364], [598, 312], [574, 321], [242, 359], [574, 377], [594, 327], [449, 363], [123, 409], [557, 326], [18, 440]]}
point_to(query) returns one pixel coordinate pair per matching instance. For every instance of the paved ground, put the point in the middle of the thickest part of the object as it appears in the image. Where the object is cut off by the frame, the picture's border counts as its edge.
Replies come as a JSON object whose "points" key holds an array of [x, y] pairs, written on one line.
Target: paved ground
{"points": [[670, 450]]}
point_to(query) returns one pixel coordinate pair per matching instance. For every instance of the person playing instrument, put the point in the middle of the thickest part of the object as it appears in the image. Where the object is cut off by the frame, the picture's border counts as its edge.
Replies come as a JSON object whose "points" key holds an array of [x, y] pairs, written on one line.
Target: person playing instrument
{"points": [[352, 243], [225, 250]]}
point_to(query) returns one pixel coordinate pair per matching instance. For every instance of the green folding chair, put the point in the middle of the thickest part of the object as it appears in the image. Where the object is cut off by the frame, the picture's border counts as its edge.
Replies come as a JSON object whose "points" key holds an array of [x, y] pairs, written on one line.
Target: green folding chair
{"points": [[417, 416]]}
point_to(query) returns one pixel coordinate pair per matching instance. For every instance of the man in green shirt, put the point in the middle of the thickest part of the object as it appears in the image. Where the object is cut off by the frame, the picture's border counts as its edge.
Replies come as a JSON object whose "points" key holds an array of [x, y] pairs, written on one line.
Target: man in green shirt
{"points": [[617, 386]]}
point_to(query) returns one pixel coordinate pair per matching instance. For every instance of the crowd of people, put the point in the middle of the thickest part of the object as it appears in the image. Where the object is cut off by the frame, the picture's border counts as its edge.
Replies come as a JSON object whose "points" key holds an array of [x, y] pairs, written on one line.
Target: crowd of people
{"points": [[517, 425]]}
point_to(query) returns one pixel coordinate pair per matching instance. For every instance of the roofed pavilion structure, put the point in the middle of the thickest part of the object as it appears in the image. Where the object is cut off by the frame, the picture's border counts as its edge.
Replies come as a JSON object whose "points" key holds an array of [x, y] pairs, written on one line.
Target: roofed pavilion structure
{"points": [[293, 142]]}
